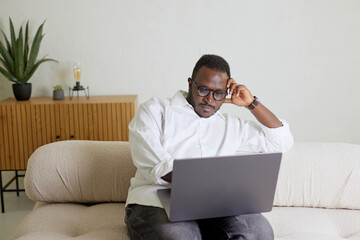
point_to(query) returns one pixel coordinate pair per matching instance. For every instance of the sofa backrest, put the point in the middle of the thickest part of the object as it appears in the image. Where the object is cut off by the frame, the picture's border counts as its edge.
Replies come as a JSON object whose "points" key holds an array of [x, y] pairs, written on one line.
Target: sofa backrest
{"points": [[325, 175], [80, 171]]}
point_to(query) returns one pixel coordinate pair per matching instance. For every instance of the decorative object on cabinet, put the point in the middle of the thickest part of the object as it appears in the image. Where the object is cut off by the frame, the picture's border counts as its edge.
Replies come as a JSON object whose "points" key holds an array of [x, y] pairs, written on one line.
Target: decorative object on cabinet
{"points": [[19, 60], [58, 93], [77, 69], [27, 125]]}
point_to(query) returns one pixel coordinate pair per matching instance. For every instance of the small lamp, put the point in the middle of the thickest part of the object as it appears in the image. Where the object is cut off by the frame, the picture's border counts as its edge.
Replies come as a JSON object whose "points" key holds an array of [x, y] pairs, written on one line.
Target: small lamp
{"points": [[77, 69]]}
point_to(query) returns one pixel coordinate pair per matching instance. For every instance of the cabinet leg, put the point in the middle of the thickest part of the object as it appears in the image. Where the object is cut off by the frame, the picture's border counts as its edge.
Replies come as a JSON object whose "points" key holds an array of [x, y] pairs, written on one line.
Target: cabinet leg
{"points": [[17, 182], [2, 194], [5, 187]]}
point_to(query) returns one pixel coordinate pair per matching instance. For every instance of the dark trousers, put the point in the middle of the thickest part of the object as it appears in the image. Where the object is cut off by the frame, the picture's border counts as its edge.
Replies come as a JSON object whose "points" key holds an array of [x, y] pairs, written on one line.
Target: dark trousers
{"points": [[151, 223]]}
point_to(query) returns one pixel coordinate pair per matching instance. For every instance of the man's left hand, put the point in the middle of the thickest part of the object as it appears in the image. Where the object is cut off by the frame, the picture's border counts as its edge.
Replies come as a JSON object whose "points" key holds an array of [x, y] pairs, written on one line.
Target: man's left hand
{"points": [[240, 95]]}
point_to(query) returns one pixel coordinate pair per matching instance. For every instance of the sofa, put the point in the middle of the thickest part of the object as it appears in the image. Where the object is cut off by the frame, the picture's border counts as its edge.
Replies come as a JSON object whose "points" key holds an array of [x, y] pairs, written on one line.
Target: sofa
{"points": [[80, 188]]}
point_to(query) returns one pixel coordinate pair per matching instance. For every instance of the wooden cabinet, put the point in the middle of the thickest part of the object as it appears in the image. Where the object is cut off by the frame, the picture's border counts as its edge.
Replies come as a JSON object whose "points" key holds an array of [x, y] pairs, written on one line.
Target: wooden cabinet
{"points": [[27, 125]]}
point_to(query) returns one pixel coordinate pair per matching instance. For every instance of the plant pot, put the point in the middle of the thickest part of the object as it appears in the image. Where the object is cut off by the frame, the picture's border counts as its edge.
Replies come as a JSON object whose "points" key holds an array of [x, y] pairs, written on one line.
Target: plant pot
{"points": [[22, 92], [58, 95]]}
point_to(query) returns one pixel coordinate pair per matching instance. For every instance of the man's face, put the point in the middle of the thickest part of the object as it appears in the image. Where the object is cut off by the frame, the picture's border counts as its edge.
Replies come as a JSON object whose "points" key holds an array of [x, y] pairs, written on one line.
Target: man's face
{"points": [[212, 79]]}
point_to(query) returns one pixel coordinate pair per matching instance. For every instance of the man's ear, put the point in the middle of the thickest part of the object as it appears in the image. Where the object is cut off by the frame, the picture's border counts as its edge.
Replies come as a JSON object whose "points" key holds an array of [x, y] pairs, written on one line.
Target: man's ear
{"points": [[189, 81]]}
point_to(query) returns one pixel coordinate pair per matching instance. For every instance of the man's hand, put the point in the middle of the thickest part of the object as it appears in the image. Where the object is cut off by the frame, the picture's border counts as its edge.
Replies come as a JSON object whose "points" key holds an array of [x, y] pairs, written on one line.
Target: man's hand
{"points": [[240, 95], [167, 177]]}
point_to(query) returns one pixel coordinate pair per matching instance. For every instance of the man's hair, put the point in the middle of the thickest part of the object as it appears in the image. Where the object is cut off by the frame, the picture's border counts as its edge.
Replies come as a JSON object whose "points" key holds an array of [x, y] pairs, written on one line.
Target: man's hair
{"points": [[213, 62]]}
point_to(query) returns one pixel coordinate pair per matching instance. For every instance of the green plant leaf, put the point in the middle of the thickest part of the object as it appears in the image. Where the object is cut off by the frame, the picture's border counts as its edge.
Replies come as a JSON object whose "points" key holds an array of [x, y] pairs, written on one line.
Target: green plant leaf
{"points": [[8, 64], [19, 57], [5, 64], [7, 42], [34, 50], [8, 75], [13, 38], [58, 87], [26, 45], [37, 64], [7, 57]]}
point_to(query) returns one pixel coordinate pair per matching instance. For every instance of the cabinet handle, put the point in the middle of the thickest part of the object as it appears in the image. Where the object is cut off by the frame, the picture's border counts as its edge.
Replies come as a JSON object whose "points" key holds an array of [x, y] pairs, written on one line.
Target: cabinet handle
{"points": [[57, 137], [72, 136]]}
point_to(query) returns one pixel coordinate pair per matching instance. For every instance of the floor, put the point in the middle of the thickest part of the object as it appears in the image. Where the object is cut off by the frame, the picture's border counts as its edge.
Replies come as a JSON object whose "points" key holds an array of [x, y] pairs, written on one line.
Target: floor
{"points": [[16, 208]]}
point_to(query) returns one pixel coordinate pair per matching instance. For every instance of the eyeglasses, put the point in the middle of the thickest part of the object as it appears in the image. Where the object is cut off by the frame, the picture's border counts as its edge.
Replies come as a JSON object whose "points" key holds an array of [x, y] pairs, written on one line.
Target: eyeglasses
{"points": [[203, 91]]}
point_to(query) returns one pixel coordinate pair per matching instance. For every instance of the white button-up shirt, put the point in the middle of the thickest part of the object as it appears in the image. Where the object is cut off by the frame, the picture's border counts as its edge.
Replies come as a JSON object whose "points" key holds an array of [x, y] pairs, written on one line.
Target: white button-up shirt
{"points": [[166, 129]]}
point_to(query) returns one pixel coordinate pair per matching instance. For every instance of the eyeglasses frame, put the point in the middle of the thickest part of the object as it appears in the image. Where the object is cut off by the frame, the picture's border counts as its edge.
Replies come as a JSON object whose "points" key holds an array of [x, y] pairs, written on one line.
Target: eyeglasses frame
{"points": [[210, 90]]}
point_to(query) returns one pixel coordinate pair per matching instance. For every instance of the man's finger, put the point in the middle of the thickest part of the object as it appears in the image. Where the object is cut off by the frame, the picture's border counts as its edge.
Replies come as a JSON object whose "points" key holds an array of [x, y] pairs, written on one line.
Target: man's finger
{"points": [[232, 87], [227, 100], [229, 82]]}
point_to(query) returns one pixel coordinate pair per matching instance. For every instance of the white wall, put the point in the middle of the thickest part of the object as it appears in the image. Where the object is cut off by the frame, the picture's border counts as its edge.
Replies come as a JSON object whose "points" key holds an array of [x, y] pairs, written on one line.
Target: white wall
{"points": [[300, 57]]}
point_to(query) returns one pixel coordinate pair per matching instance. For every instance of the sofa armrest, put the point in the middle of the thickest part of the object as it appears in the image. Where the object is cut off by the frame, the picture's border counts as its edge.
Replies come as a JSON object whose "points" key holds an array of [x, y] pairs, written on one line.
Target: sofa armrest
{"points": [[323, 175], [80, 171]]}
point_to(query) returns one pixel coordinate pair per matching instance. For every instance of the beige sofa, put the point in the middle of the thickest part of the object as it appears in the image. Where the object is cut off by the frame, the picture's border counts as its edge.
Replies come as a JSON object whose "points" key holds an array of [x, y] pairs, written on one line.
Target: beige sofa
{"points": [[80, 188]]}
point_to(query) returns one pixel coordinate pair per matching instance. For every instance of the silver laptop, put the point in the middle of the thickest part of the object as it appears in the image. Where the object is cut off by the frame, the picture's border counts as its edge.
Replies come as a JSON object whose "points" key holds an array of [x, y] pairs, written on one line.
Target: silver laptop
{"points": [[221, 186]]}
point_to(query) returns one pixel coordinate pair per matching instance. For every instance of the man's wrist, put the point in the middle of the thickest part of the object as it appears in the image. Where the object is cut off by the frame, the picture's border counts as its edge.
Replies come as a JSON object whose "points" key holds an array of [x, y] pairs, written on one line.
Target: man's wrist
{"points": [[253, 104]]}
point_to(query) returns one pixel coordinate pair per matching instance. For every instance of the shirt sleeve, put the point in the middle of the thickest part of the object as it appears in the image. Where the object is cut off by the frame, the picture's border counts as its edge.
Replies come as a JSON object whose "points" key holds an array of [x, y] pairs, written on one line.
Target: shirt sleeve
{"points": [[259, 138], [147, 151]]}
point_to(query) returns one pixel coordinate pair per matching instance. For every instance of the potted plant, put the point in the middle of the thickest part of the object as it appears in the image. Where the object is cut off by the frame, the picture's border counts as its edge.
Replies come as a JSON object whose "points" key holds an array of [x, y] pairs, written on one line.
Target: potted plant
{"points": [[58, 93], [19, 60]]}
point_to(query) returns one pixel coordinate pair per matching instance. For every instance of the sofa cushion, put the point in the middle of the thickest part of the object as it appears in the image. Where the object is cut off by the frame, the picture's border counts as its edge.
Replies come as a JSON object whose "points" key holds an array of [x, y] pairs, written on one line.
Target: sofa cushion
{"points": [[314, 223], [323, 175], [80, 171], [57, 221]]}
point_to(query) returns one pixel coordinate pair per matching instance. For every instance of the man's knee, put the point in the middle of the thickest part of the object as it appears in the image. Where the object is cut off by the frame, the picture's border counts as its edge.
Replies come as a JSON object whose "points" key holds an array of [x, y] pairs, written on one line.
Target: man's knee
{"points": [[167, 231], [152, 223], [258, 227], [179, 231]]}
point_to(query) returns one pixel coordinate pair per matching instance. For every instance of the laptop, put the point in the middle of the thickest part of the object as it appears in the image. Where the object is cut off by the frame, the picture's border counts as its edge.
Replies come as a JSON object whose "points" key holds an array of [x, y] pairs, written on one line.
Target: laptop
{"points": [[221, 186]]}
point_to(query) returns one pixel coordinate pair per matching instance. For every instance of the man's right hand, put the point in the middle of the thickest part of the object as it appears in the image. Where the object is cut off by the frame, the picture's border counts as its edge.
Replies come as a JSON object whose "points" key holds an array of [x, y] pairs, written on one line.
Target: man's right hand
{"points": [[167, 177]]}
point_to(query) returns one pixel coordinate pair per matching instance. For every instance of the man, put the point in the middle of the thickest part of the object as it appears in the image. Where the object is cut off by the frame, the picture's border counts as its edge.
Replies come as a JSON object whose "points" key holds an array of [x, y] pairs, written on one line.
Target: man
{"points": [[189, 125]]}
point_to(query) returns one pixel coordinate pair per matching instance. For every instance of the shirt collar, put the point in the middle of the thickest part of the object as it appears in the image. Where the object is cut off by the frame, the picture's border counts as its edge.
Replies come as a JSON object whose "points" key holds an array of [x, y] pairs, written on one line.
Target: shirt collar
{"points": [[179, 99]]}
